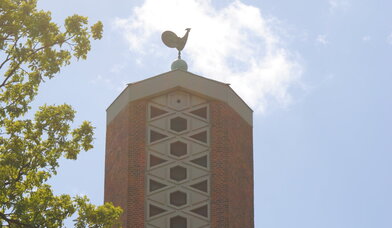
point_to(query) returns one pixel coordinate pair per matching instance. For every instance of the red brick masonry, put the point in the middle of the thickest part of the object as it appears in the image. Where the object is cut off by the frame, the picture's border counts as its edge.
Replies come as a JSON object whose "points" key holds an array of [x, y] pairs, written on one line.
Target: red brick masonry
{"points": [[125, 162], [231, 169]]}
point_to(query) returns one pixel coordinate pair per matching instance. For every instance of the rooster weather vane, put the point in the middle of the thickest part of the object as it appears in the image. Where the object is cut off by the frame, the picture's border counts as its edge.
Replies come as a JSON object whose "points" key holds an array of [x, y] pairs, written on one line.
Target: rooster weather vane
{"points": [[171, 40]]}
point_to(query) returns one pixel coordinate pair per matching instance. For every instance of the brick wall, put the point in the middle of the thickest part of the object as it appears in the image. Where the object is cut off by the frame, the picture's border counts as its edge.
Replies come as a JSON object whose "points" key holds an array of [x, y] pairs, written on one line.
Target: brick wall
{"points": [[231, 169], [231, 165], [125, 162]]}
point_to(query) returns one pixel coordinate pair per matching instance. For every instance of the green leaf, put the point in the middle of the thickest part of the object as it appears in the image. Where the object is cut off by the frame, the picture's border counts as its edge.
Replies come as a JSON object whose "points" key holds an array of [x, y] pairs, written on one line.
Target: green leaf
{"points": [[33, 49], [97, 30]]}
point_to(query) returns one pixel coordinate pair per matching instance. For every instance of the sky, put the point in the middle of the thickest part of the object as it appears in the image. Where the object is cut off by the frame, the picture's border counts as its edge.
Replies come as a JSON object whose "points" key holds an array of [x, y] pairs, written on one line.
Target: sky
{"points": [[317, 73]]}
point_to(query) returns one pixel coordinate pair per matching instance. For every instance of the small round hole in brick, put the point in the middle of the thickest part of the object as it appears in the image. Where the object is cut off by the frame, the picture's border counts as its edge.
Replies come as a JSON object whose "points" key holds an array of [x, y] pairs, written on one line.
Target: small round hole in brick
{"points": [[178, 101]]}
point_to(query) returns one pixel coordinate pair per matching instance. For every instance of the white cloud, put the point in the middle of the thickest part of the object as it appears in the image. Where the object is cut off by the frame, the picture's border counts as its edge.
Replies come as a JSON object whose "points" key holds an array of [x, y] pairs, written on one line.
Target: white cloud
{"points": [[234, 44], [117, 84], [338, 5], [322, 39], [118, 67], [389, 39], [366, 38]]}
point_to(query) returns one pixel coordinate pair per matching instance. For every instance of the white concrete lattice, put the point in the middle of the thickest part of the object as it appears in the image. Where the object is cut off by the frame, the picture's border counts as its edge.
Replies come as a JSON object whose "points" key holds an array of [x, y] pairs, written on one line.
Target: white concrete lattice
{"points": [[178, 174]]}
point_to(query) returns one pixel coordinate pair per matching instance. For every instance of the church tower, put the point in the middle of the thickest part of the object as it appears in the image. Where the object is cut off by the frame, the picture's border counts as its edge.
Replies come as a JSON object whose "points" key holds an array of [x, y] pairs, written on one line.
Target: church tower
{"points": [[179, 153]]}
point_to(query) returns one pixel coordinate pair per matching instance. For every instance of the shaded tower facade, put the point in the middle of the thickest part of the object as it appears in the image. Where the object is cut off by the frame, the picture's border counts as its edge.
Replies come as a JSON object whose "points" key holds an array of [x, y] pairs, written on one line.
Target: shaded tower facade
{"points": [[179, 154]]}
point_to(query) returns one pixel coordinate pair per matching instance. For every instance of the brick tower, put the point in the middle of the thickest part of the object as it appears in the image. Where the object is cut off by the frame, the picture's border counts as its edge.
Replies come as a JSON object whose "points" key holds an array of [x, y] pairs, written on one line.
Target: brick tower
{"points": [[179, 154]]}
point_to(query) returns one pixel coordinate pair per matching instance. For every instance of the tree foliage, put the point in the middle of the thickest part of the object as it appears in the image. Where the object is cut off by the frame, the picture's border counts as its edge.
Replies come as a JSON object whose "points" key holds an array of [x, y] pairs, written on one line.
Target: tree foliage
{"points": [[34, 49]]}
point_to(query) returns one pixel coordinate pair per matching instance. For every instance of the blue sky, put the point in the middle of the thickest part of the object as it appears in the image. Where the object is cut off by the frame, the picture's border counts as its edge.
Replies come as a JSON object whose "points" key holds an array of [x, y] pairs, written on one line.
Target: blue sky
{"points": [[318, 74]]}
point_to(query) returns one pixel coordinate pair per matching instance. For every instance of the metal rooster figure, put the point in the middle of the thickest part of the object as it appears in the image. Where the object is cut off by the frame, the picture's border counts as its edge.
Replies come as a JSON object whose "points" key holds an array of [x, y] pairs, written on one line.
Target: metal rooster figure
{"points": [[171, 40]]}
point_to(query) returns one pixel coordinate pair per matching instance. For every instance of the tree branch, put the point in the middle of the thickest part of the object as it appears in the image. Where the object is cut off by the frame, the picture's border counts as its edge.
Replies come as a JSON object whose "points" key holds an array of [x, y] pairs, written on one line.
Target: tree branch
{"points": [[14, 221], [34, 51], [9, 53]]}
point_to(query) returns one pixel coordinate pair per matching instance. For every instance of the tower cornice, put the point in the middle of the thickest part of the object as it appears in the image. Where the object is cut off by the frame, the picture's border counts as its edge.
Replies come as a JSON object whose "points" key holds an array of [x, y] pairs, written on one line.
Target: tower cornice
{"points": [[198, 85]]}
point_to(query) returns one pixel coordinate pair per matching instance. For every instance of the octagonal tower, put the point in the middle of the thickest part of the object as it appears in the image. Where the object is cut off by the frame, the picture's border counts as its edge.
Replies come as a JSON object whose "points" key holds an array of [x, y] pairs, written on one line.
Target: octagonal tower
{"points": [[179, 154]]}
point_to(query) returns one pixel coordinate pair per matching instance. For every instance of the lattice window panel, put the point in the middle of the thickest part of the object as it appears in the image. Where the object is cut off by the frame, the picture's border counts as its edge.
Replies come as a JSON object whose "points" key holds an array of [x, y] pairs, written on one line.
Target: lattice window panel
{"points": [[178, 174]]}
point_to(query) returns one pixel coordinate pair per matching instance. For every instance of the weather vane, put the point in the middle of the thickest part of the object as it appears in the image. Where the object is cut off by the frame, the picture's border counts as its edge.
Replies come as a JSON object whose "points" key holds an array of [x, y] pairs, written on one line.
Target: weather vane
{"points": [[171, 40]]}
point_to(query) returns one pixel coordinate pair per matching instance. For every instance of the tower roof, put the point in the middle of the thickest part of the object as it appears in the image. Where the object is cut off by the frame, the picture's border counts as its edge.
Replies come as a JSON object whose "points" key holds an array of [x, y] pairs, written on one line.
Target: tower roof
{"points": [[178, 79]]}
